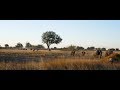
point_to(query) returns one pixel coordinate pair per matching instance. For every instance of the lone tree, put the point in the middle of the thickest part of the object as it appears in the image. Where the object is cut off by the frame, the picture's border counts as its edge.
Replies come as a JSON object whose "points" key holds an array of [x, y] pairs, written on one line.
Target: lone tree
{"points": [[28, 45], [6, 46], [51, 37], [19, 45]]}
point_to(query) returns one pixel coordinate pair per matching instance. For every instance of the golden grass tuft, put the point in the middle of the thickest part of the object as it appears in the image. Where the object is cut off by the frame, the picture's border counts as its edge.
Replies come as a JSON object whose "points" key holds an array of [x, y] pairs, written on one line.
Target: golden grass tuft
{"points": [[114, 56]]}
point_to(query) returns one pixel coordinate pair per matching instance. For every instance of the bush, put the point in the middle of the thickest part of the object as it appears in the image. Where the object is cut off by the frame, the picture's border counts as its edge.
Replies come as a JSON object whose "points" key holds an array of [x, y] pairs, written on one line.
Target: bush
{"points": [[114, 56]]}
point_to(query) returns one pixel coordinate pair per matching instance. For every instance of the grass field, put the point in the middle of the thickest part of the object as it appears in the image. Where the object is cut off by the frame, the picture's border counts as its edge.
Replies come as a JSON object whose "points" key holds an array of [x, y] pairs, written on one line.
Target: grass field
{"points": [[53, 60]]}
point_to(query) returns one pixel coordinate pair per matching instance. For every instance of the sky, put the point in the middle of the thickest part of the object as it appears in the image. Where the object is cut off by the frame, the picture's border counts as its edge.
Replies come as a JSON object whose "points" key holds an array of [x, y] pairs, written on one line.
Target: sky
{"points": [[85, 33]]}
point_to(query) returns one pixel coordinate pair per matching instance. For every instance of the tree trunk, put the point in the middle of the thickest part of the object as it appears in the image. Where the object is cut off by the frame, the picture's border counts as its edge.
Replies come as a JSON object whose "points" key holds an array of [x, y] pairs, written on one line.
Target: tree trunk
{"points": [[48, 47]]}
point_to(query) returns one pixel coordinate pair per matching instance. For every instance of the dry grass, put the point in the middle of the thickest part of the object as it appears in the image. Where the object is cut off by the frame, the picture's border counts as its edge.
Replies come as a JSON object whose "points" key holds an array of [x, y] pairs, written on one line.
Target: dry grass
{"points": [[56, 60], [68, 64], [79, 65], [114, 56], [20, 66]]}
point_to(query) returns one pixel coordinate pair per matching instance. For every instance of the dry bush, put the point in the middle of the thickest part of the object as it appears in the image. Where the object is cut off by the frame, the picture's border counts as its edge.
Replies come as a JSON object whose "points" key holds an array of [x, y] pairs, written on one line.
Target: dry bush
{"points": [[114, 56]]}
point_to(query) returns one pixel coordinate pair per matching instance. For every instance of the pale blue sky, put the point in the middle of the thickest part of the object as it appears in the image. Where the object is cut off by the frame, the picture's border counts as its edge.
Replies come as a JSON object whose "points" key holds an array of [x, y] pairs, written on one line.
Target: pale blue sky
{"points": [[98, 33]]}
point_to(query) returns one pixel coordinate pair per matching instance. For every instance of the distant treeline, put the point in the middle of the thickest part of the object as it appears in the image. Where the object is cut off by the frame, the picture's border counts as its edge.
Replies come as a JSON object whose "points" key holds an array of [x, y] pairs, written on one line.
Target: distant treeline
{"points": [[71, 47], [88, 48], [20, 46]]}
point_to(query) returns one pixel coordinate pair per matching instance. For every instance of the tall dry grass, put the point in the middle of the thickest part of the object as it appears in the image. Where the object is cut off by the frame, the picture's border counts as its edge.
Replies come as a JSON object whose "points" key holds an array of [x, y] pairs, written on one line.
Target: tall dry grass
{"points": [[57, 60], [68, 64], [79, 65]]}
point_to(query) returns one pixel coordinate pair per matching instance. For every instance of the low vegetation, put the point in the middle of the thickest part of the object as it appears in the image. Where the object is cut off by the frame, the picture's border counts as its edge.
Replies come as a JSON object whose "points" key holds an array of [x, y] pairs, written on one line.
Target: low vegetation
{"points": [[54, 60]]}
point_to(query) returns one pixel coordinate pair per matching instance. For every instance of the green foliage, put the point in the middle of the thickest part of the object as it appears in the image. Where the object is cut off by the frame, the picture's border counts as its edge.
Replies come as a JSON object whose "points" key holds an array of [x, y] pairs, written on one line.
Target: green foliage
{"points": [[103, 49], [19, 45], [90, 48], [40, 46], [117, 49], [71, 47], [51, 37], [6, 45], [28, 45], [79, 48]]}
